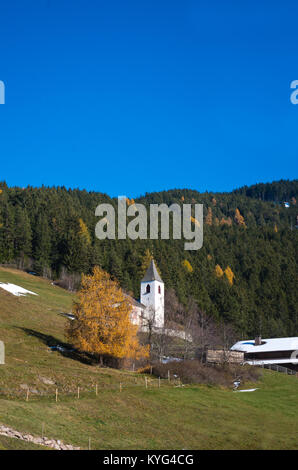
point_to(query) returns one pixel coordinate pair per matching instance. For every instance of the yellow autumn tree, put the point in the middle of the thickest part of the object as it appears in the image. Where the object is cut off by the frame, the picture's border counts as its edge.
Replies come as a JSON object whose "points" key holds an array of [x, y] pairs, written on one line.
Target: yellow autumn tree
{"points": [[218, 271], [146, 259], [84, 232], [130, 202], [229, 275], [195, 221], [188, 267], [275, 228], [102, 324], [208, 219], [239, 219]]}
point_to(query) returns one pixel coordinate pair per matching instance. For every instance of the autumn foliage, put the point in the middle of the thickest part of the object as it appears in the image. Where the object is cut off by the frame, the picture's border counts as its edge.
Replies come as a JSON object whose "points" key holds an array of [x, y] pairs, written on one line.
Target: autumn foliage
{"points": [[229, 275], [208, 219], [102, 324], [188, 267], [239, 219], [218, 271]]}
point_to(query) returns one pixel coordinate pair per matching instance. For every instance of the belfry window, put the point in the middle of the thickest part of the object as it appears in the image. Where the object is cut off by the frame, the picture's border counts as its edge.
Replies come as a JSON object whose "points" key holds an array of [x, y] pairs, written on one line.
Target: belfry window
{"points": [[159, 290], [148, 289]]}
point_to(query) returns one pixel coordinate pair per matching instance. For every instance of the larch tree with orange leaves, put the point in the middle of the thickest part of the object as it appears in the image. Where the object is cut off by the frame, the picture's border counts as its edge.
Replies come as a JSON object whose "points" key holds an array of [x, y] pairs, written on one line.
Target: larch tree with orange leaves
{"points": [[102, 324], [239, 219], [229, 275]]}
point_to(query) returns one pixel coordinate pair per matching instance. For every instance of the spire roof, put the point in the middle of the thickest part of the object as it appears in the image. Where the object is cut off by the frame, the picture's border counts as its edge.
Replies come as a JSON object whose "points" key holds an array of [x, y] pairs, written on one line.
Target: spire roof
{"points": [[152, 273]]}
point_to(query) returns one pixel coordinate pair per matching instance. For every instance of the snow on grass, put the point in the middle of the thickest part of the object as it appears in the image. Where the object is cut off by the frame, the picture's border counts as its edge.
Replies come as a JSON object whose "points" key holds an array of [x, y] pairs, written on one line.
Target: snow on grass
{"points": [[15, 290]]}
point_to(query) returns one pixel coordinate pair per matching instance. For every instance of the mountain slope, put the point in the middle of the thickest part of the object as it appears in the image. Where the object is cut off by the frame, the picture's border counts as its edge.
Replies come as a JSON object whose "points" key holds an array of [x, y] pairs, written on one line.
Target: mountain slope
{"points": [[52, 231]]}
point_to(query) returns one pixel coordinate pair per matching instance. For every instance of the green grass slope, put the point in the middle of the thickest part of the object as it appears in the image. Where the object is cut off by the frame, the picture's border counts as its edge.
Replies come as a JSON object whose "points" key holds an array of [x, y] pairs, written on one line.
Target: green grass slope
{"points": [[191, 417]]}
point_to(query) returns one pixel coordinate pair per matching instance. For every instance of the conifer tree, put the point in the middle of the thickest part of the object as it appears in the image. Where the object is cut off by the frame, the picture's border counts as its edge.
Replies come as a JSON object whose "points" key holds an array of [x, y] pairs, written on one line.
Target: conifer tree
{"points": [[102, 324], [229, 275], [188, 267], [218, 271], [208, 220], [146, 259], [239, 219]]}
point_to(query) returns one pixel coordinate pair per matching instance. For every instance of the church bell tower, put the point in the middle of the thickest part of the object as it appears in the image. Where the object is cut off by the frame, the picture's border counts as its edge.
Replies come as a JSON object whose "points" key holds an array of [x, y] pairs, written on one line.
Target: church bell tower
{"points": [[152, 295]]}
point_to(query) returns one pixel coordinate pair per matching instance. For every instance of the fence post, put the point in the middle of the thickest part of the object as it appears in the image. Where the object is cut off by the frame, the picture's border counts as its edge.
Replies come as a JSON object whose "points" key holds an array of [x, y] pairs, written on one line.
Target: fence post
{"points": [[146, 385], [78, 393], [27, 394], [169, 378], [56, 395], [158, 382], [120, 387], [89, 444], [96, 391]]}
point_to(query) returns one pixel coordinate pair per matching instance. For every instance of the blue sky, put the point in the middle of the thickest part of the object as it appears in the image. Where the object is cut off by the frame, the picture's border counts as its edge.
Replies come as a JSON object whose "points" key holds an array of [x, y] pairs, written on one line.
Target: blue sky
{"points": [[136, 96]]}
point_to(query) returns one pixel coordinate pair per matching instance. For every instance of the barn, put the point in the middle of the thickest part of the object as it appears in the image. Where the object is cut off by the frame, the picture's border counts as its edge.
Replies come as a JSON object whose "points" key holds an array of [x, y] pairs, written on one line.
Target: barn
{"points": [[278, 351]]}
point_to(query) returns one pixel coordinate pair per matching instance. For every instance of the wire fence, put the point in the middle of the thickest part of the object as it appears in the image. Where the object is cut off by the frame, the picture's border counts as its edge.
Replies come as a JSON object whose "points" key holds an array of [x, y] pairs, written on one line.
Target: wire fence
{"points": [[56, 393], [278, 368]]}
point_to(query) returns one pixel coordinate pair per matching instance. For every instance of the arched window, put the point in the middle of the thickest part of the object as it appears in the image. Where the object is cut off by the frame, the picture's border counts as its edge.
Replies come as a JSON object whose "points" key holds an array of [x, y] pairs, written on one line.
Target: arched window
{"points": [[148, 289], [159, 290]]}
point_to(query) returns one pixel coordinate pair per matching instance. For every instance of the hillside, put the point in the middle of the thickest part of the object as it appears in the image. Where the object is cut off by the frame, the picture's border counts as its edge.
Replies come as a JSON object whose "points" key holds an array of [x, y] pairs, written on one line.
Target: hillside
{"points": [[51, 231], [169, 417]]}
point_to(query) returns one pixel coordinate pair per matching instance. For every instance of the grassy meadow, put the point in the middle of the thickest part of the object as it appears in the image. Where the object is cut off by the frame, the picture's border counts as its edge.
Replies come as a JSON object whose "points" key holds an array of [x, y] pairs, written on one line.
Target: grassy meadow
{"points": [[169, 417]]}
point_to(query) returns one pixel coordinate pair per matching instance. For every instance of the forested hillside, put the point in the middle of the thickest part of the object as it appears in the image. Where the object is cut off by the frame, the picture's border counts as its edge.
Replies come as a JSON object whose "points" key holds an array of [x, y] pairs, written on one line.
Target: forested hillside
{"points": [[245, 273]]}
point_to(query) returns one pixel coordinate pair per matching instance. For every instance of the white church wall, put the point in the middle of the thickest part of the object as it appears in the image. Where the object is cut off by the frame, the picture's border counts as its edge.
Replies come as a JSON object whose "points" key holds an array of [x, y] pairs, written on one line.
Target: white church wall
{"points": [[154, 301]]}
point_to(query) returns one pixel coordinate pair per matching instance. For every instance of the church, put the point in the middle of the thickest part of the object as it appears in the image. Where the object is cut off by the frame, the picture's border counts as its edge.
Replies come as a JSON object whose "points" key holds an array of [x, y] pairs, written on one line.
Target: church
{"points": [[149, 311]]}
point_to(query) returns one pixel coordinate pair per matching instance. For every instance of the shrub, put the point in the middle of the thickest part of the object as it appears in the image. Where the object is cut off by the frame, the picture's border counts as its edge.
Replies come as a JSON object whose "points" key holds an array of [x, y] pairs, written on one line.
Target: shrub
{"points": [[194, 372]]}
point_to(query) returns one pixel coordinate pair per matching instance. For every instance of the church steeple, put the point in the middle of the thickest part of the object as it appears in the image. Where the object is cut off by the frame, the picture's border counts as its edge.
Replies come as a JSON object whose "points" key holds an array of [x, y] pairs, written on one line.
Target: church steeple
{"points": [[152, 273], [152, 295]]}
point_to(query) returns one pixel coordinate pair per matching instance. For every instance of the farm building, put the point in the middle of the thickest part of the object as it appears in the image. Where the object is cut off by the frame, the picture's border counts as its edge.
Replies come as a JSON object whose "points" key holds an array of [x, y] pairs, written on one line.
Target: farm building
{"points": [[279, 351]]}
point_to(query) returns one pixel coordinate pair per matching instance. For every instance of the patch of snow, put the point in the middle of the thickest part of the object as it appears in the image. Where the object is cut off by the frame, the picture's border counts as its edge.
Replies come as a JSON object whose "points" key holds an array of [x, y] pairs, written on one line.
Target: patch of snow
{"points": [[15, 290], [167, 359], [248, 390], [60, 348]]}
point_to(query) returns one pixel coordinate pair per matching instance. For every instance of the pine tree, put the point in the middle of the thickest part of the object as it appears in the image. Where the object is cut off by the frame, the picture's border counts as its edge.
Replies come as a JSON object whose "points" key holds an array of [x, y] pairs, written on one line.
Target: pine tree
{"points": [[42, 244], [23, 234], [7, 232], [146, 260]]}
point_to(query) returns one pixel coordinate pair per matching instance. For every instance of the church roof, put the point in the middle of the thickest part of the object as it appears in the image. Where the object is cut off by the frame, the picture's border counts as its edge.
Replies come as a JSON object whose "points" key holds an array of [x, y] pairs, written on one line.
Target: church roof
{"points": [[152, 274]]}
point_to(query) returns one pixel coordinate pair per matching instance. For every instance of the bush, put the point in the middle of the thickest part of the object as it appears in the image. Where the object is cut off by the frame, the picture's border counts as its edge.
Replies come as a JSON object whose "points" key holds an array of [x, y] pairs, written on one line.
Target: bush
{"points": [[194, 372]]}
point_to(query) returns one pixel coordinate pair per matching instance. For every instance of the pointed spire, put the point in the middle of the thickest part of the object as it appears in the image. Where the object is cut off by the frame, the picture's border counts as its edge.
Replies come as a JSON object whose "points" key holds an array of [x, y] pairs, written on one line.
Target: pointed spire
{"points": [[152, 273]]}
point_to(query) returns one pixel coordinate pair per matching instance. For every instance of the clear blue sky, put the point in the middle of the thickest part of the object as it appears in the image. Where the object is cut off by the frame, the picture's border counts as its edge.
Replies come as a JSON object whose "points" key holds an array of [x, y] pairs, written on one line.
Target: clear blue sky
{"points": [[132, 96]]}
